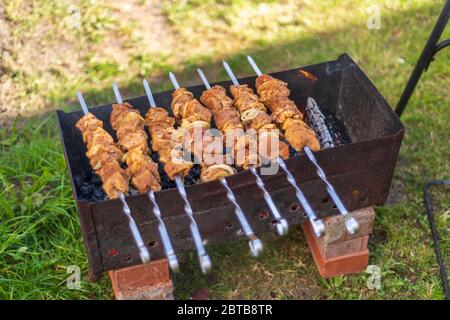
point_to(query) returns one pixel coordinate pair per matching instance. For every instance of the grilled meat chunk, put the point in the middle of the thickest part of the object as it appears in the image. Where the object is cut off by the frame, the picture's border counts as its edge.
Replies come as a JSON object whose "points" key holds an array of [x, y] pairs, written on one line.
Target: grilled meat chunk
{"points": [[129, 126], [168, 142], [189, 110], [104, 156], [274, 93]]}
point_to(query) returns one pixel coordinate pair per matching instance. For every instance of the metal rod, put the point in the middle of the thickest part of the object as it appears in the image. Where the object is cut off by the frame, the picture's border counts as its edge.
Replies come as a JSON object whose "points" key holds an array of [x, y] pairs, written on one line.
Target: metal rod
{"points": [[255, 244], [117, 93], [149, 94], [350, 223], [425, 58], [174, 80], [143, 251], [316, 223], [165, 238], [230, 73], [435, 233], [204, 259], [282, 225]]}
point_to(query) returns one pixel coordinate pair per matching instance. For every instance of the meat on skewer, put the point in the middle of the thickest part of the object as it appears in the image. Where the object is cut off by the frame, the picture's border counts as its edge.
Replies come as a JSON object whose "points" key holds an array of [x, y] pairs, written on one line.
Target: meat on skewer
{"points": [[274, 93], [218, 170], [254, 116], [228, 121], [129, 127], [128, 121], [167, 141], [104, 156]]}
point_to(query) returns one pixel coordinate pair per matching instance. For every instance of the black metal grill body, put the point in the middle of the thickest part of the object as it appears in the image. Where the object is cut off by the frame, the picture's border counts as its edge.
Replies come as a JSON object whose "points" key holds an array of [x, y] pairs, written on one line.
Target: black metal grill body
{"points": [[361, 171]]}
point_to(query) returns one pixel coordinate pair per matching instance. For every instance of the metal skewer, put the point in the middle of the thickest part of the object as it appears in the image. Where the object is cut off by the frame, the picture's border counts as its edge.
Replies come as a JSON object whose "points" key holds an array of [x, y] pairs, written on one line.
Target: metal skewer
{"points": [[317, 224], [282, 225], [204, 259], [255, 244], [143, 251], [167, 244], [350, 223]]}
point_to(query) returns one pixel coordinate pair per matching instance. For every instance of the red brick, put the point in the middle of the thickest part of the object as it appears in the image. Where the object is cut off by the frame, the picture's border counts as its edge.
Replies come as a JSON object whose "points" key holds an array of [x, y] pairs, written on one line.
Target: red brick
{"points": [[351, 262], [149, 281], [335, 227], [335, 249]]}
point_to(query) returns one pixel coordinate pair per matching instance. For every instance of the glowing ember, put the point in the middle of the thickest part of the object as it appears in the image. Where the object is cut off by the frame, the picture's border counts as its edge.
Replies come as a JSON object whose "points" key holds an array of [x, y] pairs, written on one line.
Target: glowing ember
{"points": [[307, 75]]}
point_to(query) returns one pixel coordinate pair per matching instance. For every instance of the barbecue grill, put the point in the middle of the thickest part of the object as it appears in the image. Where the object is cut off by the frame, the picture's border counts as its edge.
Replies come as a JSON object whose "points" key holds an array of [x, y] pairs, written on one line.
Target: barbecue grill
{"points": [[360, 169]]}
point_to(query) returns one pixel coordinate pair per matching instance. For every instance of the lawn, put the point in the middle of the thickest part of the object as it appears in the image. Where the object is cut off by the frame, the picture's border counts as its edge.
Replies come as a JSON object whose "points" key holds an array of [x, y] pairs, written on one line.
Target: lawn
{"points": [[50, 49]]}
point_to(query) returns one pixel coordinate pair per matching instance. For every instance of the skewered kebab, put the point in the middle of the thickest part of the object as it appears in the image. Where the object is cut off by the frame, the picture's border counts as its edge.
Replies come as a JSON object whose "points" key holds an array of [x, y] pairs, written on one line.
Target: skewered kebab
{"points": [[245, 99], [104, 157], [129, 125], [275, 94], [228, 121], [182, 95], [166, 140]]}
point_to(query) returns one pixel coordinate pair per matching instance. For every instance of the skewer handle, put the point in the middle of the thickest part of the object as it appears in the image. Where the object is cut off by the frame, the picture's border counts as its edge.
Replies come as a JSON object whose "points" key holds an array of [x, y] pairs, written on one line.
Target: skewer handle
{"points": [[317, 224], [350, 222], [143, 251], [256, 245], [204, 259], [282, 225], [168, 249]]}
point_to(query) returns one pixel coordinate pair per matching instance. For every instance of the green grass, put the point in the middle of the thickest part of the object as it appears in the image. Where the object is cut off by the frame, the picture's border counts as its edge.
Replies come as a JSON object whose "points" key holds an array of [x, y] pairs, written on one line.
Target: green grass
{"points": [[39, 229]]}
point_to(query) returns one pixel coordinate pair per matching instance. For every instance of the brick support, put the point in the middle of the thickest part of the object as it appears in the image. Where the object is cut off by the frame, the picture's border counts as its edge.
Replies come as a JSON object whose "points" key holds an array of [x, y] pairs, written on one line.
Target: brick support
{"points": [[149, 281], [339, 252]]}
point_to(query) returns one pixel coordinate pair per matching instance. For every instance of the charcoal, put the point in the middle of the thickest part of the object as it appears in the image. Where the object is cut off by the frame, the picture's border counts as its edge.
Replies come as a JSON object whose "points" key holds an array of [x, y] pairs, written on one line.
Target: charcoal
{"points": [[96, 180], [86, 190]]}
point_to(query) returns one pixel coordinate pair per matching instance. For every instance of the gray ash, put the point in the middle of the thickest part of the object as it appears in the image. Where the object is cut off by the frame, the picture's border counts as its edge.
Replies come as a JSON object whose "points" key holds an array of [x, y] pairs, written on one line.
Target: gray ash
{"points": [[336, 128]]}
